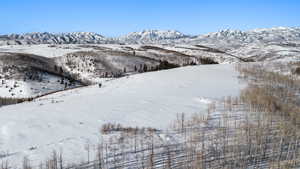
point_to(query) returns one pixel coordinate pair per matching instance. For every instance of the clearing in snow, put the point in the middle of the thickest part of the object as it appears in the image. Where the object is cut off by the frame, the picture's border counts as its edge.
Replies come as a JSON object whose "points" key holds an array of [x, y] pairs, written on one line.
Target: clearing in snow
{"points": [[71, 119]]}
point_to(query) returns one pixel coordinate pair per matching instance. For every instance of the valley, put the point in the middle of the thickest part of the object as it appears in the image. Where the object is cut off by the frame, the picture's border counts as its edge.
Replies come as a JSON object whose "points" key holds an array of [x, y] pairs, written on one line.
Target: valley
{"points": [[136, 100]]}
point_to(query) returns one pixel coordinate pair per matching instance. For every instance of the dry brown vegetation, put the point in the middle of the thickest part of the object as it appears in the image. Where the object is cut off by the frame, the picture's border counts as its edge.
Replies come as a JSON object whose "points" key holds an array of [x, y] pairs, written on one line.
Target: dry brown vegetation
{"points": [[272, 92], [110, 128]]}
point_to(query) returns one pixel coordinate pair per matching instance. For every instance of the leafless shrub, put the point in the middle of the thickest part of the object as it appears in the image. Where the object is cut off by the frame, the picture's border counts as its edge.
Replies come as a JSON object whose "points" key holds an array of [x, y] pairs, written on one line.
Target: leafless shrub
{"points": [[26, 163], [5, 165], [110, 127], [272, 92]]}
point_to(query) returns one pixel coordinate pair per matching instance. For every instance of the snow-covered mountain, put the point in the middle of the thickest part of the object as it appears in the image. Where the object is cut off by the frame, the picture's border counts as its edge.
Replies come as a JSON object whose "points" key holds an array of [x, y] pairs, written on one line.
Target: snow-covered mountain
{"points": [[50, 38], [227, 38], [153, 36], [281, 43], [236, 38]]}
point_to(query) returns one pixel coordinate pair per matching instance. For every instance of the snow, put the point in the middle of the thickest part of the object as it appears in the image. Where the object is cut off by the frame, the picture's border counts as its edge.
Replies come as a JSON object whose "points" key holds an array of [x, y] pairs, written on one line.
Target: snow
{"points": [[223, 39], [13, 88], [43, 49], [71, 119], [236, 46], [51, 38], [152, 36], [270, 52]]}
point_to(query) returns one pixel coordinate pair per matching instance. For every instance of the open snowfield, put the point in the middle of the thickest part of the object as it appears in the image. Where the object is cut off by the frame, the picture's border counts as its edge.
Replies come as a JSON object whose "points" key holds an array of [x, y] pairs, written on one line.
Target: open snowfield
{"points": [[45, 50], [70, 120]]}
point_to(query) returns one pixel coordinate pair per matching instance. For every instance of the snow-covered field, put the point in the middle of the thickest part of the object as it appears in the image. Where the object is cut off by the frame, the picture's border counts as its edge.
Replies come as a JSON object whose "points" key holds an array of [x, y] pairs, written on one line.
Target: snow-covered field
{"points": [[69, 120], [45, 50]]}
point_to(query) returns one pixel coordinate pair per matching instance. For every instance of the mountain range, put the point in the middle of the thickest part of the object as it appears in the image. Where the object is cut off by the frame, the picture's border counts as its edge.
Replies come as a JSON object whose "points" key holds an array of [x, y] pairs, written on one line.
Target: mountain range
{"points": [[223, 38]]}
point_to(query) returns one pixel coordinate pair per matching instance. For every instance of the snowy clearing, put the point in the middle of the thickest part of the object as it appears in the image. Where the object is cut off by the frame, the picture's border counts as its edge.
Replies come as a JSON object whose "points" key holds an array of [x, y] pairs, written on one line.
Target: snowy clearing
{"points": [[45, 50], [69, 120]]}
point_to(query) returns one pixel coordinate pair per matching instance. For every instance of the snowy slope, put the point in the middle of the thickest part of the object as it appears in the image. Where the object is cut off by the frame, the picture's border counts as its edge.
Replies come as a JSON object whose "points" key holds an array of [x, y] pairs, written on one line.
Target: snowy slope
{"points": [[268, 52], [71, 119], [281, 43], [87, 63], [14, 88], [45, 50]]}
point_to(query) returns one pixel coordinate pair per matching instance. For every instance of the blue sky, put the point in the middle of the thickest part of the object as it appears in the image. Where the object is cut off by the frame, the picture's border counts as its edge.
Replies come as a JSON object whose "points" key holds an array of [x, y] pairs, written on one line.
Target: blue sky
{"points": [[117, 17]]}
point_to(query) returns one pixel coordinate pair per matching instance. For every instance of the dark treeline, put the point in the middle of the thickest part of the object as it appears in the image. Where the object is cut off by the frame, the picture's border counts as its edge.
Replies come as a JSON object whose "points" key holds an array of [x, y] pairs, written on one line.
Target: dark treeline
{"points": [[207, 61], [8, 101]]}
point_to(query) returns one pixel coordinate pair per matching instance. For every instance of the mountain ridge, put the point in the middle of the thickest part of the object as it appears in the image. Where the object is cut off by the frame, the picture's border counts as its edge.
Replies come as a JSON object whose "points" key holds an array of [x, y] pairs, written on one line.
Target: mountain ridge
{"points": [[154, 36]]}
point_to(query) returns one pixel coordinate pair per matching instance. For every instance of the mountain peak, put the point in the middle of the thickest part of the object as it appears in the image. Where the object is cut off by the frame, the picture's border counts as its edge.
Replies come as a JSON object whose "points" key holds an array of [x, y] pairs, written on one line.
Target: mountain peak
{"points": [[152, 36]]}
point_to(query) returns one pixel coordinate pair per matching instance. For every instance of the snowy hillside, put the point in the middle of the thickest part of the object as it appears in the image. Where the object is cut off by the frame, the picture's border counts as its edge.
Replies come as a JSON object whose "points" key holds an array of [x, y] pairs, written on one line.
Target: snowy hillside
{"points": [[32, 70], [281, 43], [89, 63], [41, 83], [69, 120], [24, 75], [182, 53], [45, 50]]}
